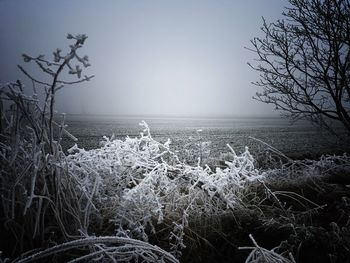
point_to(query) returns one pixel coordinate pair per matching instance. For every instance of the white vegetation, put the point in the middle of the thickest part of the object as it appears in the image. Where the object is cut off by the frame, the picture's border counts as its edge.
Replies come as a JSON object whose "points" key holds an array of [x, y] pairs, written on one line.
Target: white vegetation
{"points": [[137, 185], [131, 179], [260, 254], [124, 250]]}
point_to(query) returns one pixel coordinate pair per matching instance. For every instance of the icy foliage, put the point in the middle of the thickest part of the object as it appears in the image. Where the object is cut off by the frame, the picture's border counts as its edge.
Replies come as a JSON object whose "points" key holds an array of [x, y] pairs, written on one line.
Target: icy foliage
{"points": [[146, 183], [197, 151], [260, 254], [107, 249], [134, 190], [143, 184], [299, 171]]}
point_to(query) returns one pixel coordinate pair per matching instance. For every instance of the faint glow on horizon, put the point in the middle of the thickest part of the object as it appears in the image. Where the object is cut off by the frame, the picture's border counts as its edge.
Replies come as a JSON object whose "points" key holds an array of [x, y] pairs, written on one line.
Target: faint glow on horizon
{"points": [[149, 57]]}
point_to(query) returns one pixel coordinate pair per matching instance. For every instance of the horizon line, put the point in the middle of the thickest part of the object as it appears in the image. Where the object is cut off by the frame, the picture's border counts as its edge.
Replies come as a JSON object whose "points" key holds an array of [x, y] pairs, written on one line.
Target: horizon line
{"points": [[200, 116]]}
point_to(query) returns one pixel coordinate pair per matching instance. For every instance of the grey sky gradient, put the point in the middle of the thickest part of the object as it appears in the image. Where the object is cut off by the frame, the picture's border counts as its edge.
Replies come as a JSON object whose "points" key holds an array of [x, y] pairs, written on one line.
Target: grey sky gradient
{"points": [[149, 57]]}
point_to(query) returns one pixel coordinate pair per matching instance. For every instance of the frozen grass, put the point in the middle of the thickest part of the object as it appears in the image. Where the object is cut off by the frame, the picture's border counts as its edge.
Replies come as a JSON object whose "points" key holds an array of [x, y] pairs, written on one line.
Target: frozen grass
{"points": [[127, 251], [260, 254], [141, 184], [139, 189], [134, 200]]}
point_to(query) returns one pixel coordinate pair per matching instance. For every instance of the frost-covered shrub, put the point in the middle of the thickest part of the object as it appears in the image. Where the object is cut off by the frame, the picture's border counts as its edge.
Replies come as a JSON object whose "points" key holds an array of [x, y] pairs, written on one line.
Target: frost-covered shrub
{"points": [[196, 151], [260, 254], [145, 190], [39, 201], [300, 171], [138, 185], [47, 197], [142, 184]]}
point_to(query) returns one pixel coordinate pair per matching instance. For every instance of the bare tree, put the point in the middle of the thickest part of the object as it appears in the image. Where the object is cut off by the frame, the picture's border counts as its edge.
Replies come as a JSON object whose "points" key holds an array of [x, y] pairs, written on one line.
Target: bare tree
{"points": [[54, 69], [38, 193], [304, 62]]}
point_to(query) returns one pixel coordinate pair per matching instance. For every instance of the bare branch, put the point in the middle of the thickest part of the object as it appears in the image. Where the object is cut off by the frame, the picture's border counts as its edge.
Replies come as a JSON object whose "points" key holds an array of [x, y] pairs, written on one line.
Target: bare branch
{"points": [[32, 78], [304, 61], [86, 78]]}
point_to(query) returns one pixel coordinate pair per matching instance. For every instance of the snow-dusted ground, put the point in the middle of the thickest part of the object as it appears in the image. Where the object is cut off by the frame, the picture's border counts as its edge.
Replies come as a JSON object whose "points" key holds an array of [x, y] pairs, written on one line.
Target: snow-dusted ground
{"points": [[295, 139]]}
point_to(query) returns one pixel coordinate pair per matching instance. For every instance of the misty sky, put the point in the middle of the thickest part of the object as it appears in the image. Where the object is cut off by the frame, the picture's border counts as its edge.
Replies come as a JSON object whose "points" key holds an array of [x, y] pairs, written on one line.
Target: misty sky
{"points": [[150, 57]]}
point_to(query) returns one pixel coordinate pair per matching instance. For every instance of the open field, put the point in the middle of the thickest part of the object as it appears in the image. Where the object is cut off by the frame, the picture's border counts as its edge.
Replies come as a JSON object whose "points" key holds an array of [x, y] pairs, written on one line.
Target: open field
{"points": [[299, 139], [135, 200]]}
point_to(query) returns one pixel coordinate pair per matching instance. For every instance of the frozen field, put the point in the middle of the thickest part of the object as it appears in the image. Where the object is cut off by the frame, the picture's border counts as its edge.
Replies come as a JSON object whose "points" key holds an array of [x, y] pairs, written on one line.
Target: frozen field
{"points": [[296, 139]]}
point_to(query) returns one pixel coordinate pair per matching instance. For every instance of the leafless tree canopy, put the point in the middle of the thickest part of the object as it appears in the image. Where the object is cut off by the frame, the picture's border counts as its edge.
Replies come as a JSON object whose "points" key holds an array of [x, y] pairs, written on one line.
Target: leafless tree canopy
{"points": [[304, 62]]}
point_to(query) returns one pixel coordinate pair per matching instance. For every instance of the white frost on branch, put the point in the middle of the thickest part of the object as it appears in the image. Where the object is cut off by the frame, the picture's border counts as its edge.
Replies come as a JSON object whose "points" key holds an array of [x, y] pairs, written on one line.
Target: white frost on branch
{"points": [[143, 188]]}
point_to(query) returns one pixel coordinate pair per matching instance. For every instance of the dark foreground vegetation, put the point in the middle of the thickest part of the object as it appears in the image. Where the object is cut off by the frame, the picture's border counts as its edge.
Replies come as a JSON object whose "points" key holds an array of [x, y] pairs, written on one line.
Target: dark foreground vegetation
{"points": [[134, 200], [309, 219]]}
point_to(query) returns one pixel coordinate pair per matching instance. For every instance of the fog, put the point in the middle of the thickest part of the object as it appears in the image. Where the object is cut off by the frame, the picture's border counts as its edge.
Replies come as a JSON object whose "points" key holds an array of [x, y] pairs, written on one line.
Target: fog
{"points": [[148, 57]]}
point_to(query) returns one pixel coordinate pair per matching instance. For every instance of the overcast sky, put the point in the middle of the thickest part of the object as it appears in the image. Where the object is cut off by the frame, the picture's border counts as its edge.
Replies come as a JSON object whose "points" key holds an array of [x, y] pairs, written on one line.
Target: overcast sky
{"points": [[160, 57]]}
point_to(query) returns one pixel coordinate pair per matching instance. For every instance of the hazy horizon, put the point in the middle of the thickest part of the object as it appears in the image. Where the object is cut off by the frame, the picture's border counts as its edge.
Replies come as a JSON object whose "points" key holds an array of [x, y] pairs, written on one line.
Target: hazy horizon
{"points": [[149, 57], [160, 115]]}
